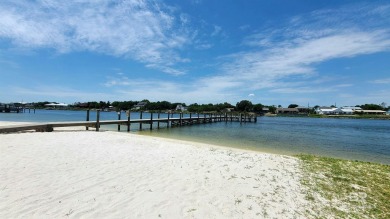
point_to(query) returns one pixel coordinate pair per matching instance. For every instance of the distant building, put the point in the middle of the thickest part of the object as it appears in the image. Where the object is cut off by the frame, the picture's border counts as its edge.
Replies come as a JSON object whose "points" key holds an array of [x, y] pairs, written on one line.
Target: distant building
{"points": [[347, 110], [287, 111], [326, 110], [180, 107], [56, 105], [265, 110], [140, 105], [228, 110], [303, 109]]}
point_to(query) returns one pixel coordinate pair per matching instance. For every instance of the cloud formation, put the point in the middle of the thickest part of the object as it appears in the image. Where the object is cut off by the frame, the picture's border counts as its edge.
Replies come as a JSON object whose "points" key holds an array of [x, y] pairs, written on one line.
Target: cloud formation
{"points": [[381, 81], [141, 30], [294, 51], [277, 57]]}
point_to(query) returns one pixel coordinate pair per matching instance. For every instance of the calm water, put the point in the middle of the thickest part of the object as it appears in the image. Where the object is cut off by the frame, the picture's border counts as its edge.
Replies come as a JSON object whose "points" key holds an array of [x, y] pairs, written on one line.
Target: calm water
{"points": [[359, 139]]}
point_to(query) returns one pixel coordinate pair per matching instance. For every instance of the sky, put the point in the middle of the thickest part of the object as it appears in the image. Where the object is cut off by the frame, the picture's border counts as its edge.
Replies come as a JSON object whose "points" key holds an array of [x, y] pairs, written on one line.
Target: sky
{"points": [[278, 52]]}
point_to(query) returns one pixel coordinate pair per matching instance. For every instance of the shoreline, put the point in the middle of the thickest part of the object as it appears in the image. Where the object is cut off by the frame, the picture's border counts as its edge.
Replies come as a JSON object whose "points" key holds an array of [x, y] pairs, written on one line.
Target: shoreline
{"points": [[110, 174], [220, 143]]}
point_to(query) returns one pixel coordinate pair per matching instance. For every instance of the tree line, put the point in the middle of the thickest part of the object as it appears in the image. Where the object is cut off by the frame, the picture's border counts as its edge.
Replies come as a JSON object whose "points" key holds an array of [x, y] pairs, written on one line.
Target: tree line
{"points": [[242, 106]]}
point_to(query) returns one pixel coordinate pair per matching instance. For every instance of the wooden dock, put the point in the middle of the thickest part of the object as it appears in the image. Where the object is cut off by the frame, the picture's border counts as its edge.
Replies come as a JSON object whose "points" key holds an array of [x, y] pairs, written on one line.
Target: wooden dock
{"points": [[169, 121]]}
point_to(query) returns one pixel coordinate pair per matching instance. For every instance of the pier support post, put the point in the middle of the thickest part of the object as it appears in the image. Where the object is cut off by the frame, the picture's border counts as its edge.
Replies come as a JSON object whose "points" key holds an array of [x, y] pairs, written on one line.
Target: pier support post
{"points": [[181, 121], [140, 123], [86, 127], [151, 121], [158, 122], [168, 121], [97, 120], [128, 120], [119, 118]]}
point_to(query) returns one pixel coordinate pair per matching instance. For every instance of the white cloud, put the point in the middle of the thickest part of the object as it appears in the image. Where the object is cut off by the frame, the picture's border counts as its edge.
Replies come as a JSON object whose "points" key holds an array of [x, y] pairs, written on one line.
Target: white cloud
{"points": [[251, 95], [217, 30], [381, 81], [292, 53], [134, 29]]}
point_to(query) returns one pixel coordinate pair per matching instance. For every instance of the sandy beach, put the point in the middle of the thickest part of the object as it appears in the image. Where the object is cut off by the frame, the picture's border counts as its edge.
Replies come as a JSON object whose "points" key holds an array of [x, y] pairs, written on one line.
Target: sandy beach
{"points": [[119, 175]]}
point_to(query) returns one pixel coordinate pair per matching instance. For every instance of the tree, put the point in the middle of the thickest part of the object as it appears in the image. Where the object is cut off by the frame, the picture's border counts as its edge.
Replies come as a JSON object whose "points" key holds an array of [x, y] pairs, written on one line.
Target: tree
{"points": [[293, 106], [272, 109], [258, 108], [244, 106], [371, 107]]}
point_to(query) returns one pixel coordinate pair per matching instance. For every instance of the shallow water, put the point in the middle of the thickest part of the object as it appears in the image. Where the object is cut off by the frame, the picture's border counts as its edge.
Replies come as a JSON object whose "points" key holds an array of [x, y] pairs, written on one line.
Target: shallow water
{"points": [[360, 139]]}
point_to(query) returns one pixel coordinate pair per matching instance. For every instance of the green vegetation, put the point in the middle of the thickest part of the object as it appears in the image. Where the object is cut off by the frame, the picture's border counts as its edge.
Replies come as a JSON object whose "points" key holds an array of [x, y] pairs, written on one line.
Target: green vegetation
{"points": [[373, 106], [346, 189]]}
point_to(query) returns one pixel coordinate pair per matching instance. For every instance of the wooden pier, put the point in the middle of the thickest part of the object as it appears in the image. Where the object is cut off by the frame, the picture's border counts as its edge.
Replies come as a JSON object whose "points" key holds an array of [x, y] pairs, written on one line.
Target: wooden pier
{"points": [[170, 121], [14, 108]]}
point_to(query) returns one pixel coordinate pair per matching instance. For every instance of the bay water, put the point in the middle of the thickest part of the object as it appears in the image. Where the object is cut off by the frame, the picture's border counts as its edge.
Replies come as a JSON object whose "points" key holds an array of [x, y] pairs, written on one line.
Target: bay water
{"points": [[356, 139]]}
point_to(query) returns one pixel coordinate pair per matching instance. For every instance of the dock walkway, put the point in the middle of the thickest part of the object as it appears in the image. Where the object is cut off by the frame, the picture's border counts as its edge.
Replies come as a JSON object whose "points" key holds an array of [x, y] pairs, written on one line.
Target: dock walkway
{"points": [[171, 122]]}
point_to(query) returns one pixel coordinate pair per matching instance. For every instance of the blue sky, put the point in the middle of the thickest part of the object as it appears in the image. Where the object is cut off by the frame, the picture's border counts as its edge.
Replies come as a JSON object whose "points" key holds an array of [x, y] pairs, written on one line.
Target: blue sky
{"points": [[271, 52]]}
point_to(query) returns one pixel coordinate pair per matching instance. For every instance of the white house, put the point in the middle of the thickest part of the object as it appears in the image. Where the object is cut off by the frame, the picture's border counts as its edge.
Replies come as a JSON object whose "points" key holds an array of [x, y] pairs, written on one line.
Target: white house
{"points": [[140, 105], [349, 110], [180, 107], [56, 105], [326, 110]]}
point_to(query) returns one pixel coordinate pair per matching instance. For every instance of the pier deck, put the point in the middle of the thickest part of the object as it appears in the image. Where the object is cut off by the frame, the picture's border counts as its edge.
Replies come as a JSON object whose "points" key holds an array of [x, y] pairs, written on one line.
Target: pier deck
{"points": [[171, 122]]}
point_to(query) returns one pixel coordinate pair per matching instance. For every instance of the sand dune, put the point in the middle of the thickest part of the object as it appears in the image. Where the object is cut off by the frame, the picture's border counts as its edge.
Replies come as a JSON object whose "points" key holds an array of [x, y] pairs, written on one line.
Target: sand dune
{"points": [[121, 175]]}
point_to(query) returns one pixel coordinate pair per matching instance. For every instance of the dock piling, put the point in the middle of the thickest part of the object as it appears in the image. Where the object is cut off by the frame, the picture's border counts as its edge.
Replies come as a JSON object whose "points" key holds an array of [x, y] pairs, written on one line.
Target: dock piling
{"points": [[97, 120], [158, 122], [151, 121], [140, 117], [128, 120], [119, 118], [86, 127]]}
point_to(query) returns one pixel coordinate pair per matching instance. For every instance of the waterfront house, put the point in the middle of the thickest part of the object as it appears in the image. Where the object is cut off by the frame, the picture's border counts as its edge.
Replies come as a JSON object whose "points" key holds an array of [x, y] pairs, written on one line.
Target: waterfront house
{"points": [[303, 109], [287, 111], [139, 105], [326, 110], [347, 110], [265, 110], [180, 107], [56, 105]]}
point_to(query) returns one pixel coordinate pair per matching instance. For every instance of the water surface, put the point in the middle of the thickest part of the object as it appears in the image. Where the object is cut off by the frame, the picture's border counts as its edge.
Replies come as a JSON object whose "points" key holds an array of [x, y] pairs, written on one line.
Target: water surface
{"points": [[357, 139]]}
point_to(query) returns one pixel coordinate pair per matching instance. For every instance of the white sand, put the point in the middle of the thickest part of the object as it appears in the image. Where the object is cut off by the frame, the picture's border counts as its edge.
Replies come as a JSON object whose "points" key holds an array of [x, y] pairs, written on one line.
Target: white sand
{"points": [[119, 175]]}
